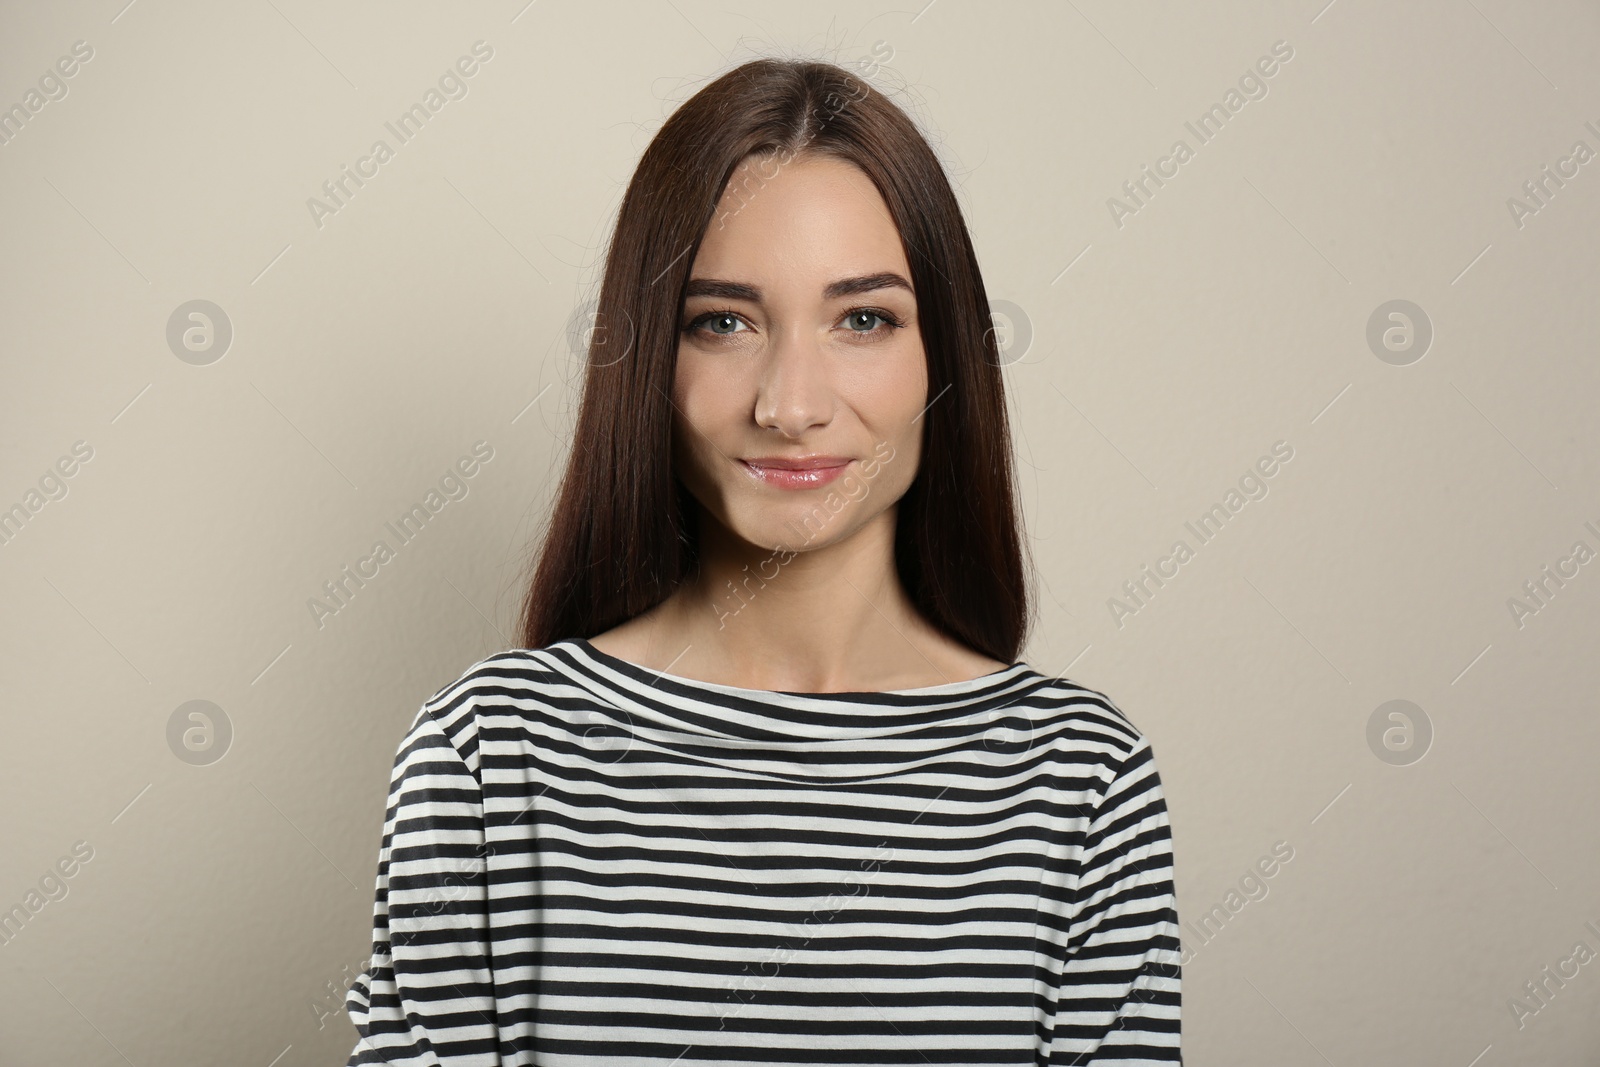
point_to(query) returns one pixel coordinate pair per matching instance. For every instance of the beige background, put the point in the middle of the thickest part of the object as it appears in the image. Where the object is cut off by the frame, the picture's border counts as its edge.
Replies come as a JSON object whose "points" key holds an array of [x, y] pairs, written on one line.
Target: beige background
{"points": [[1167, 355]]}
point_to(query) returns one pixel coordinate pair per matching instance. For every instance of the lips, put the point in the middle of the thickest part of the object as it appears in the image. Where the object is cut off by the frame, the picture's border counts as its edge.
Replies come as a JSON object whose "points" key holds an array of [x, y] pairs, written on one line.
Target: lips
{"points": [[805, 472], [799, 463]]}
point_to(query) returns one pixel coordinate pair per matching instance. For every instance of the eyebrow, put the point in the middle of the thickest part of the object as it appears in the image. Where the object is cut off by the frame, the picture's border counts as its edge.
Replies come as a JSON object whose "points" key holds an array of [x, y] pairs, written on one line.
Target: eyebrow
{"points": [[866, 283]]}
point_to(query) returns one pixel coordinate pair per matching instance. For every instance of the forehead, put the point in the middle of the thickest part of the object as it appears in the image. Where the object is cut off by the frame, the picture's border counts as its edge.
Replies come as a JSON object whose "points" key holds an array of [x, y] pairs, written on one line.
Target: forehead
{"points": [[797, 225]]}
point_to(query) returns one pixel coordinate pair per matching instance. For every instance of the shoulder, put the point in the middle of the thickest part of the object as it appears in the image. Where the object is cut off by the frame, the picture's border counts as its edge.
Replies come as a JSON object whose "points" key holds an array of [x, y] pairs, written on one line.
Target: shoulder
{"points": [[1089, 722], [1090, 708], [500, 684], [1109, 759], [500, 674]]}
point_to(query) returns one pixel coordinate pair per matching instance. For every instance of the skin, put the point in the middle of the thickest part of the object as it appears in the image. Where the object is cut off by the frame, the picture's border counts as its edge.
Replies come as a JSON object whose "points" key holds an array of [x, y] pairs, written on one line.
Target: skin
{"points": [[792, 372]]}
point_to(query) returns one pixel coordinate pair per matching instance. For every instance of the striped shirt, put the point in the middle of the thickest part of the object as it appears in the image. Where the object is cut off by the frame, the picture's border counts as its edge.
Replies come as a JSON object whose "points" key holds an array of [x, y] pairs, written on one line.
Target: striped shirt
{"points": [[587, 862]]}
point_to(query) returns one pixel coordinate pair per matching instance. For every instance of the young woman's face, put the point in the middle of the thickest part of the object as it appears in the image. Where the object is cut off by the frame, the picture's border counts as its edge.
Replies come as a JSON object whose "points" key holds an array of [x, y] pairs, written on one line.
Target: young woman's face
{"points": [[799, 342]]}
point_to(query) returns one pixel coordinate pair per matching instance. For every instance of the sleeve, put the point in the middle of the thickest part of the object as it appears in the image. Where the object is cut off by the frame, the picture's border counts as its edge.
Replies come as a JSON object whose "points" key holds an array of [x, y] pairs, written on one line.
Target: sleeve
{"points": [[1120, 996], [427, 998]]}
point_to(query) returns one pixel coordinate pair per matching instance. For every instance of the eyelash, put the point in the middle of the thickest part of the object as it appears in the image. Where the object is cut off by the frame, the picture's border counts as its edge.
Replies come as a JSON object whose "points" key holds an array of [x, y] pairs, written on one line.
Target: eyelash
{"points": [[892, 321]]}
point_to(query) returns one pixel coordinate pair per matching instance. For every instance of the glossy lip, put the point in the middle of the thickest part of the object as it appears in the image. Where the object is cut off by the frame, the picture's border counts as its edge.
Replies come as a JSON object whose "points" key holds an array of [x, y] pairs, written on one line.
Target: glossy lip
{"points": [[806, 472], [798, 463]]}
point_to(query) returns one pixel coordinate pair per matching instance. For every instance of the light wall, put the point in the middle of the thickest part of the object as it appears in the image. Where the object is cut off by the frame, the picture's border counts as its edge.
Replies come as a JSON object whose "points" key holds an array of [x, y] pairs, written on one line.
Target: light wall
{"points": [[1174, 342]]}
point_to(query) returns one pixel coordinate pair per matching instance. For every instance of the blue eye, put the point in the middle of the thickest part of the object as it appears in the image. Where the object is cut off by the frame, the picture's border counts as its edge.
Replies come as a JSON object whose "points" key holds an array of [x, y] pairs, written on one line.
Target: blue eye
{"points": [[722, 323], [864, 322]]}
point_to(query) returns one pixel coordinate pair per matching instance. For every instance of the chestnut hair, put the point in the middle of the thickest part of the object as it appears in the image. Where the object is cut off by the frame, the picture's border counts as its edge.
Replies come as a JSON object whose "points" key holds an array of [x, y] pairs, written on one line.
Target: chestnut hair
{"points": [[622, 534]]}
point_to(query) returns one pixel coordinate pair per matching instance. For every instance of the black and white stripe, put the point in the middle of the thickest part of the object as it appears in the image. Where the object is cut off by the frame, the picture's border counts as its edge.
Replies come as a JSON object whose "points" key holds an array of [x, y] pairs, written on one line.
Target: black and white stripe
{"points": [[584, 862]]}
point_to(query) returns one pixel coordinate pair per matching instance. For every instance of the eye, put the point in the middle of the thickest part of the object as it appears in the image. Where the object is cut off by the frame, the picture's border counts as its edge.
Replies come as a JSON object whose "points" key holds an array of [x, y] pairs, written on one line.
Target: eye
{"points": [[722, 323], [866, 321]]}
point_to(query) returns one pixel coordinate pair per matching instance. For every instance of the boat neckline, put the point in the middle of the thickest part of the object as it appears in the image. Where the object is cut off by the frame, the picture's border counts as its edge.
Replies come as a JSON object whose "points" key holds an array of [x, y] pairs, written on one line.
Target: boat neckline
{"points": [[651, 677]]}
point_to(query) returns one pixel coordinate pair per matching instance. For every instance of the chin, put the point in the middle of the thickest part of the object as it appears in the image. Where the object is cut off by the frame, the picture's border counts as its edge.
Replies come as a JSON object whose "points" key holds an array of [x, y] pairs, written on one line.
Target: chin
{"points": [[791, 529]]}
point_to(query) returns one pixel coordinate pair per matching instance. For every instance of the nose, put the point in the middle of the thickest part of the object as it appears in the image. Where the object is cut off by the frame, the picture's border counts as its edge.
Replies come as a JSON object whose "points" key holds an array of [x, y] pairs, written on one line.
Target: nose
{"points": [[793, 392]]}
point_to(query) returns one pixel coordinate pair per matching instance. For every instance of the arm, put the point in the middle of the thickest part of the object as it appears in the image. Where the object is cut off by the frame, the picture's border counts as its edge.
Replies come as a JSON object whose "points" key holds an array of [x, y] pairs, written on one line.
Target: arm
{"points": [[1119, 1001], [427, 999]]}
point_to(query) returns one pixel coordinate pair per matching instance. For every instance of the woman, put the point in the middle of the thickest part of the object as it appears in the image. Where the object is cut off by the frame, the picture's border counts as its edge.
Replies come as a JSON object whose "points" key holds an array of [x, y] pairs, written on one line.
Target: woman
{"points": [[767, 783]]}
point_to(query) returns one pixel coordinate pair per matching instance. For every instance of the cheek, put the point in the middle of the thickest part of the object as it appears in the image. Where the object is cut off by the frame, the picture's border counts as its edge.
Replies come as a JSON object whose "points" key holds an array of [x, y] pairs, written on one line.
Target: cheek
{"points": [[911, 403], [689, 390], [890, 394], [707, 408]]}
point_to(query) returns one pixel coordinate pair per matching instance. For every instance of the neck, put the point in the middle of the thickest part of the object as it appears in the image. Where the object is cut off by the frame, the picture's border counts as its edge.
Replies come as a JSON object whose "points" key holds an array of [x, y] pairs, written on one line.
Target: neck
{"points": [[831, 618]]}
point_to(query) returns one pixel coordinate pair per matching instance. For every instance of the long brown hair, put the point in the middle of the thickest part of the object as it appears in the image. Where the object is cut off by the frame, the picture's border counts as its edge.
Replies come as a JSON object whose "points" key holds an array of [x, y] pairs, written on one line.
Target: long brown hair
{"points": [[622, 534]]}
